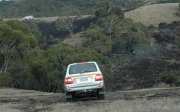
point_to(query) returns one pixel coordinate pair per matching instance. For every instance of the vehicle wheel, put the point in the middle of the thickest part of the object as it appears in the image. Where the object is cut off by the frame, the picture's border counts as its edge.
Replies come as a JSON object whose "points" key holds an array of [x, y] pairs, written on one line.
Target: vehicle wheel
{"points": [[101, 96], [69, 98]]}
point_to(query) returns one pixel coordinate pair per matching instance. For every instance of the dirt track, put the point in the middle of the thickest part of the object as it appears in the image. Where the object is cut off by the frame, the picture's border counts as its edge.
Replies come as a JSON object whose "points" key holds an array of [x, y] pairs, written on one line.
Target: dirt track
{"points": [[46, 19], [13, 100]]}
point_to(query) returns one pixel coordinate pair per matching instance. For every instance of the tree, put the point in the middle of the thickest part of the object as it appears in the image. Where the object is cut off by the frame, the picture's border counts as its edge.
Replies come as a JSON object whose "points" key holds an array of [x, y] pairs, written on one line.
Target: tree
{"points": [[103, 9], [98, 41], [128, 33], [5, 80], [171, 79], [61, 56], [15, 39], [106, 24], [36, 32], [106, 9], [45, 70], [108, 16], [66, 23]]}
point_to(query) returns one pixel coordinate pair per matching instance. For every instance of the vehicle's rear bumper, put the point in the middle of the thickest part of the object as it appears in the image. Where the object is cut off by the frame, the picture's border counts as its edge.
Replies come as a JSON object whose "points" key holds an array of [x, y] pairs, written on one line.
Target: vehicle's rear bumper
{"points": [[84, 87]]}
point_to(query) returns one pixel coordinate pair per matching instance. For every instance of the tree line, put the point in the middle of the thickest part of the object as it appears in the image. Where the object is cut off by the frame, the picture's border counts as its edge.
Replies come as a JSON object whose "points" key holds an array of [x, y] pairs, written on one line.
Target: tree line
{"points": [[46, 8], [24, 63]]}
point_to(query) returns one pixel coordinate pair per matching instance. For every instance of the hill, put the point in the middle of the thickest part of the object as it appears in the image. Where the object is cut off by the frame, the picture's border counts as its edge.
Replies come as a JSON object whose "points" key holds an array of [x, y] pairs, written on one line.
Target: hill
{"points": [[134, 57], [155, 14], [46, 8]]}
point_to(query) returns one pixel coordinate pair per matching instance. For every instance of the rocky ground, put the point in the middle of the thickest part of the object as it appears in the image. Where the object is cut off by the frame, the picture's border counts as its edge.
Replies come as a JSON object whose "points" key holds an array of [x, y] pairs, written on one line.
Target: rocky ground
{"points": [[156, 100]]}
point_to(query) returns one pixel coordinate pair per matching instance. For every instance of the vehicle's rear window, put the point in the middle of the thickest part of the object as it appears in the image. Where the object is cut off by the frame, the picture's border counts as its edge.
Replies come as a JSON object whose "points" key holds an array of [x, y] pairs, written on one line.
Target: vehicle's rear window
{"points": [[82, 68]]}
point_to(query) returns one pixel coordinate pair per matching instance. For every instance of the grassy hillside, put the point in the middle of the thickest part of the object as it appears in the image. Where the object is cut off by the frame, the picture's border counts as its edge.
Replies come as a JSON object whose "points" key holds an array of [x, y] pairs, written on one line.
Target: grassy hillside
{"points": [[155, 14], [20, 8]]}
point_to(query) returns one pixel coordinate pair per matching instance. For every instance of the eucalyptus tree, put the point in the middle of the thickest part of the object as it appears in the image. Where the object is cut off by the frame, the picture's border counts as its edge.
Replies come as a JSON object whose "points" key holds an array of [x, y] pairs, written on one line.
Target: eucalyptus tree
{"points": [[129, 33], [108, 16], [98, 41], [15, 40], [67, 22]]}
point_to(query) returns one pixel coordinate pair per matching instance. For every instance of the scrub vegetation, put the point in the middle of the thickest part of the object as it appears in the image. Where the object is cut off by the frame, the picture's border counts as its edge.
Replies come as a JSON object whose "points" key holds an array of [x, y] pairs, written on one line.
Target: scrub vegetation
{"points": [[34, 54]]}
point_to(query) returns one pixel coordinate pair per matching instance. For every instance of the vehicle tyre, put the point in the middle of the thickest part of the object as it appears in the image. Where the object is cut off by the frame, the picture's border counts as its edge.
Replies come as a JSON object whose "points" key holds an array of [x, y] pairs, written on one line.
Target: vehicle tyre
{"points": [[69, 98], [101, 96], [101, 93]]}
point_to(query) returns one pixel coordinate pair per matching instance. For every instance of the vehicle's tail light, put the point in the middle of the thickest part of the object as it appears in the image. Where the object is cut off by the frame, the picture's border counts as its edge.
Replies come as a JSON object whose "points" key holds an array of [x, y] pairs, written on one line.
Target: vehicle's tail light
{"points": [[99, 77], [68, 80]]}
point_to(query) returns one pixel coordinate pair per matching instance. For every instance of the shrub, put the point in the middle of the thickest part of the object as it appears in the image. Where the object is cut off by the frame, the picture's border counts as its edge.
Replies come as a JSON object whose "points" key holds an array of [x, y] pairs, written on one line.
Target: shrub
{"points": [[5, 80], [177, 83], [98, 42], [172, 79]]}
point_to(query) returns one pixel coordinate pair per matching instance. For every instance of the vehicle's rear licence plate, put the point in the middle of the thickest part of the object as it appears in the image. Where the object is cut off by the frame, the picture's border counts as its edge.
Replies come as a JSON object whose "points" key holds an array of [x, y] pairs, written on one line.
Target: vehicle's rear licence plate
{"points": [[83, 79]]}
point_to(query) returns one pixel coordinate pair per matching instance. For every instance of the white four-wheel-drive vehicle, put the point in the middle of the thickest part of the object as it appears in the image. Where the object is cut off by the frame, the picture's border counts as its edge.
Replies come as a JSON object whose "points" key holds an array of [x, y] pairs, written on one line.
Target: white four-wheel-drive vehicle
{"points": [[84, 79], [28, 18]]}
